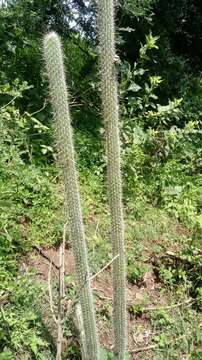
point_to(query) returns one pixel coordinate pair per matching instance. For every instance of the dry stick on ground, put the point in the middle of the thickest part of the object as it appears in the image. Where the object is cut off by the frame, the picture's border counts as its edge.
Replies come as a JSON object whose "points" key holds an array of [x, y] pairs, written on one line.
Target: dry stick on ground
{"points": [[97, 226], [172, 256], [4, 299], [146, 348], [155, 346], [60, 316], [102, 297], [75, 304], [104, 268], [61, 295], [78, 292], [93, 277], [5, 321], [130, 302], [79, 325], [50, 295], [153, 308], [45, 256]]}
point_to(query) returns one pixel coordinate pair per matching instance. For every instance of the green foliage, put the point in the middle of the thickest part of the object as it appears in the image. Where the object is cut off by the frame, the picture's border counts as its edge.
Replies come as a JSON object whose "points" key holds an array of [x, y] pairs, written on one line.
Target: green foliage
{"points": [[30, 213], [21, 327], [135, 272], [21, 129], [73, 353], [187, 339], [139, 9], [138, 91], [161, 97], [161, 158], [90, 153], [184, 268], [22, 330], [107, 355]]}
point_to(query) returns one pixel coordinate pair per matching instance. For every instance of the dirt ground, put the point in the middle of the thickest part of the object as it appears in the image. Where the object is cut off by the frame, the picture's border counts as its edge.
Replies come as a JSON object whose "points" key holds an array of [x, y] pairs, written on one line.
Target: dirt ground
{"points": [[139, 329]]}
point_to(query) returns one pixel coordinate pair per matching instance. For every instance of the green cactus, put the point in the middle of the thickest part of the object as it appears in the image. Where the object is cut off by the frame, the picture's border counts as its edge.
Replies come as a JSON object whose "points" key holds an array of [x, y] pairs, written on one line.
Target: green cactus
{"points": [[110, 110], [59, 97]]}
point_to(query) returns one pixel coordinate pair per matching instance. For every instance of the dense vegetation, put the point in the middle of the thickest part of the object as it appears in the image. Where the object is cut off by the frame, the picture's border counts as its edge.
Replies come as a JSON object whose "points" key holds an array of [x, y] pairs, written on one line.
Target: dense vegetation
{"points": [[160, 92]]}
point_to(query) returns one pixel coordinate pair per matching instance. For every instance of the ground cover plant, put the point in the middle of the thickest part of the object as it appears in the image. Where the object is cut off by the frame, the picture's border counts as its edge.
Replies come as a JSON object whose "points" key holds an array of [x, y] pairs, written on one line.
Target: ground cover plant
{"points": [[160, 128]]}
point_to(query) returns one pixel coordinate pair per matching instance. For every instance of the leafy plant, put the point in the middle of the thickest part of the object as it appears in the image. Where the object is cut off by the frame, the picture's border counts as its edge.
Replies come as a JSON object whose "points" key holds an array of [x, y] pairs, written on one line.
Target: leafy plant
{"points": [[135, 272]]}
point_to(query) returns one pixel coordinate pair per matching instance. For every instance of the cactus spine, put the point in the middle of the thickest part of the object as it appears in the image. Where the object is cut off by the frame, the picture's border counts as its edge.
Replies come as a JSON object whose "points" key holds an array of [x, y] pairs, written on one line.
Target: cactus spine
{"points": [[59, 96], [109, 93]]}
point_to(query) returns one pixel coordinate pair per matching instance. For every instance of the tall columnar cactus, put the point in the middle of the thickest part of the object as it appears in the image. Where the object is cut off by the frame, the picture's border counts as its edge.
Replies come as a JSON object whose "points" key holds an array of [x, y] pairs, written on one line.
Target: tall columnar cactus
{"points": [[110, 111], [59, 97]]}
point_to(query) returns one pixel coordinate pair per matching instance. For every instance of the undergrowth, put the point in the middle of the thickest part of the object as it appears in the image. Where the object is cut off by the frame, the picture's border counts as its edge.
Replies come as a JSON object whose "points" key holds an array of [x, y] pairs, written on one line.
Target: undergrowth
{"points": [[34, 216], [163, 233]]}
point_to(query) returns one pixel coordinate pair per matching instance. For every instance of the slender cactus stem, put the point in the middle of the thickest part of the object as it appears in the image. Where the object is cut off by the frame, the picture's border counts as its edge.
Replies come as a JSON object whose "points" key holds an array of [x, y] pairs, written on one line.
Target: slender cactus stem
{"points": [[110, 111], [59, 97]]}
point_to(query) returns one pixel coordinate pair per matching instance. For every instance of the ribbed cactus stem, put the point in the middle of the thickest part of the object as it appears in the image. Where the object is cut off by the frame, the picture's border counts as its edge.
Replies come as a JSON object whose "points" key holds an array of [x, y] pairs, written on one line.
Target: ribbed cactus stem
{"points": [[59, 96], [110, 109]]}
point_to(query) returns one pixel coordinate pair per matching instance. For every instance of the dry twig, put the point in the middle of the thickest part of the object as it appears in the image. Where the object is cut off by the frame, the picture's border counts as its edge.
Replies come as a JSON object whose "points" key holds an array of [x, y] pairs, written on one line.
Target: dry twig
{"points": [[41, 109], [146, 348], [50, 295], [188, 302], [104, 268], [61, 295], [45, 256], [155, 346]]}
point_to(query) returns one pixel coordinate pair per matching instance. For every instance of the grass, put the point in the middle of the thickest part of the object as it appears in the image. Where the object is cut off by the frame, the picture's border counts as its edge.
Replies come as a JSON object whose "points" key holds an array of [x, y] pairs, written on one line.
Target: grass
{"points": [[32, 214]]}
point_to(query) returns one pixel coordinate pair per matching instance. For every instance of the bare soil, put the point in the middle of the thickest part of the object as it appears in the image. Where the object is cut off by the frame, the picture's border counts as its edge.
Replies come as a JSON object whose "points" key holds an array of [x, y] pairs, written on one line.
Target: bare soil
{"points": [[147, 292]]}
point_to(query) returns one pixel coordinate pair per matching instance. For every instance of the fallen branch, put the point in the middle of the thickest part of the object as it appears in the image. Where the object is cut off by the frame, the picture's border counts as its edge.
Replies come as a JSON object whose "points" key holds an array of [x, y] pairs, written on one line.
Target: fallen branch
{"points": [[10, 102], [101, 297], [97, 226], [5, 321], [61, 295], [153, 308], [73, 304], [45, 256], [4, 299], [146, 348], [78, 322], [188, 302], [50, 295], [78, 292], [104, 268], [41, 109], [170, 255], [155, 346]]}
